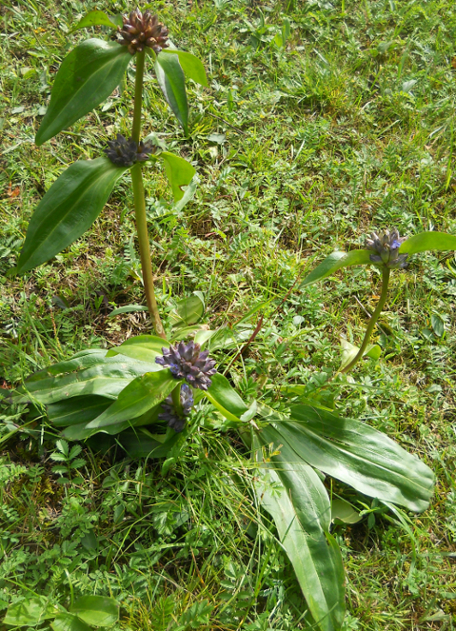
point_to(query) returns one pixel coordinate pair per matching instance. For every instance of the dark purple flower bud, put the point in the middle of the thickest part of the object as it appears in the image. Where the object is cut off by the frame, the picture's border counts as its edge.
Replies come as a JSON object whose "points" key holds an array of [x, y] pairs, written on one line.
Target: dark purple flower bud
{"points": [[386, 247], [175, 419], [142, 29], [186, 361], [125, 152]]}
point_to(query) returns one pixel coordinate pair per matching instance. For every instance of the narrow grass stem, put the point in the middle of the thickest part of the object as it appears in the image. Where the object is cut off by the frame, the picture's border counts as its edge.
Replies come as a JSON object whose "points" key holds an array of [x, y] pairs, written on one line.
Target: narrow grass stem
{"points": [[140, 204], [372, 321]]}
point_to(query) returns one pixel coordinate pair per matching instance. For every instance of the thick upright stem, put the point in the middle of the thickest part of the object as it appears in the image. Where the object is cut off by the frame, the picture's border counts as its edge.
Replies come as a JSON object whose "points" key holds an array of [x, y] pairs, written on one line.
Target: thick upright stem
{"points": [[373, 321], [140, 204]]}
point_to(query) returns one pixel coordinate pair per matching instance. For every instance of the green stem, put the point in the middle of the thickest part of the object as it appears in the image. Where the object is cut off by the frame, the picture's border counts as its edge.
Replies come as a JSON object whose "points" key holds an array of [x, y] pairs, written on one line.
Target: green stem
{"points": [[373, 321], [140, 204]]}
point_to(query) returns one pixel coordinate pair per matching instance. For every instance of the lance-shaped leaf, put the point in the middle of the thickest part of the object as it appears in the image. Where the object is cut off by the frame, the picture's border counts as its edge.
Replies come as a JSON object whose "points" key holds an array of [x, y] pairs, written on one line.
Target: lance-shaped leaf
{"points": [[359, 455], [191, 65], [425, 241], [142, 347], [171, 80], [225, 398], [106, 377], [137, 398], [294, 495], [178, 171], [98, 18], [334, 262], [77, 410], [87, 76], [68, 209]]}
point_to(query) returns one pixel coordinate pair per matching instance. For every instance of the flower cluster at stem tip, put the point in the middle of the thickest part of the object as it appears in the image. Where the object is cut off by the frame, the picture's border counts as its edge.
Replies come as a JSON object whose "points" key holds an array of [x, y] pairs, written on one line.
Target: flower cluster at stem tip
{"points": [[126, 153], [187, 361], [142, 30], [386, 247]]}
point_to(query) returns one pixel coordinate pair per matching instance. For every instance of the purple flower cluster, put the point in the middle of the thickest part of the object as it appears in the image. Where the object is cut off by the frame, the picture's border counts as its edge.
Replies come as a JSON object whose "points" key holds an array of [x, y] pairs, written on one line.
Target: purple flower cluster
{"points": [[126, 153], [186, 361], [386, 247], [175, 420], [143, 29]]}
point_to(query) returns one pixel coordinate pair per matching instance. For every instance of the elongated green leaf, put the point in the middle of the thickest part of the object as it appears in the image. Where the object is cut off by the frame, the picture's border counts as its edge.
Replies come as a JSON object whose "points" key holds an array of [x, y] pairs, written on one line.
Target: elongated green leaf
{"points": [[107, 378], [87, 76], [191, 65], [425, 241], [68, 622], [142, 347], [359, 455], [299, 505], [98, 18], [81, 431], [83, 359], [77, 410], [68, 209], [171, 80], [98, 611], [334, 262], [138, 397], [178, 171], [225, 398]]}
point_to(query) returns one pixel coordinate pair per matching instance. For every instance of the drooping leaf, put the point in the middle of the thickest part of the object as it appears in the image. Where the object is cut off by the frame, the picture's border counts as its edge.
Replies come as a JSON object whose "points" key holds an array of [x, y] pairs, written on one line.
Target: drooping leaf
{"points": [[334, 262], [98, 611], [357, 454], [87, 76], [98, 18], [171, 80], [191, 65], [188, 311], [225, 398], [142, 347], [77, 410], [68, 622], [426, 241], [294, 495], [68, 209], [178, 171], [137, 398]]}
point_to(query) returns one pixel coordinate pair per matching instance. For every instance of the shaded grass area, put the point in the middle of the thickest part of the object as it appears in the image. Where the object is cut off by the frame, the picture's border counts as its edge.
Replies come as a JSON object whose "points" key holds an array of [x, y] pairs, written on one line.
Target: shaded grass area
{"points": [[322, 120]]}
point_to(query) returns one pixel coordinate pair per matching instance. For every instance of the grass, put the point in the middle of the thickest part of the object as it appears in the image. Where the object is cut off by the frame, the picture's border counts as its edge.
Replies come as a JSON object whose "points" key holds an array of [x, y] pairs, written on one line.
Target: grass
{"points": [[302, 147]]}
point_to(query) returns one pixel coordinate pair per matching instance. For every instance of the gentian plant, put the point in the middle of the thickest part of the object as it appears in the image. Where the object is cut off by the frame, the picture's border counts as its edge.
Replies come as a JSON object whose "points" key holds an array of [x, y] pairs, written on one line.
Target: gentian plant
{"points": [[144, 392]]}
